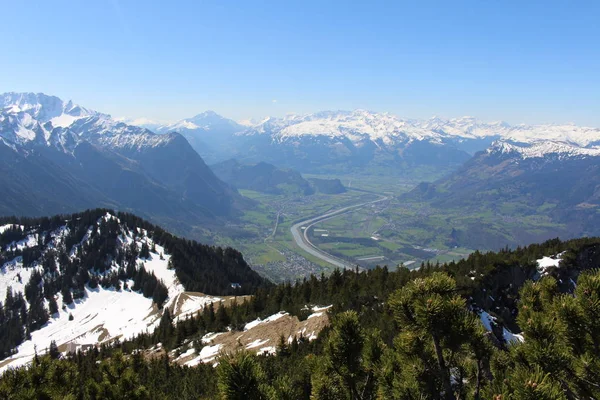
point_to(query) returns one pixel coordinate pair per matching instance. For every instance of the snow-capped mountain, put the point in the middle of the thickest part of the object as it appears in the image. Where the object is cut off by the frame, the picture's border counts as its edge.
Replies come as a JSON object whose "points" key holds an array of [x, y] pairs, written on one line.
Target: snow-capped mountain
{"points": [[99, 276], [44, 108], [347, 140], [76, 158], [435, 141], [555, 183], [210, 134], [38, 119], [465, 127], [204, 121], [355, 125], [543, 149], [250, 122], [360, 138], [150, 124]]}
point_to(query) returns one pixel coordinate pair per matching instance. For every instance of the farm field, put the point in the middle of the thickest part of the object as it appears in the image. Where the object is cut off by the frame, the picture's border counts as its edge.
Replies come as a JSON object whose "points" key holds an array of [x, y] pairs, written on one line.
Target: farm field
{"points": [[392, 232]]}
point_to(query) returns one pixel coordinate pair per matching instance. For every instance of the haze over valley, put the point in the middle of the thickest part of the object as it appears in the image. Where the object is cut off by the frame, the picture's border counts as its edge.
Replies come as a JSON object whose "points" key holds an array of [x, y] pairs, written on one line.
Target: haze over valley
{"points": [[300, 200], [443, 187]]}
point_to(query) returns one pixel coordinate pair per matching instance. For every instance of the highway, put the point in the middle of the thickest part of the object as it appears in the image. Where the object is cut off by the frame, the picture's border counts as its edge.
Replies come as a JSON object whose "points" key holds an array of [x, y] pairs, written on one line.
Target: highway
{"points": [[301, 235]]}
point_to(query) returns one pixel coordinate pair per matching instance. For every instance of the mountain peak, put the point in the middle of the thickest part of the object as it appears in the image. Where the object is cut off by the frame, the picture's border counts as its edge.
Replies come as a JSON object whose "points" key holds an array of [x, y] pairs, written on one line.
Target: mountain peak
{"points": [[207, 113], [542, 148]]}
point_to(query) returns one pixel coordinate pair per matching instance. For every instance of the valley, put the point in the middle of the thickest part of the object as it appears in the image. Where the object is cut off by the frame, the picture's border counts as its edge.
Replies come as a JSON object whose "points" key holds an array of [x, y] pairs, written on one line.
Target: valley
{"points": [[450, 185], [301, 231], [361, 227], [403, 229], [300, 200]]}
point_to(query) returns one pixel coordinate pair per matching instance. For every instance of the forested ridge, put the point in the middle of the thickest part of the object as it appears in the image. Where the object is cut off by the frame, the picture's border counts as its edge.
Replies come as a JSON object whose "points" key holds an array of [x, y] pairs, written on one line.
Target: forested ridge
{"points": [[58, 258], [395, 335]]}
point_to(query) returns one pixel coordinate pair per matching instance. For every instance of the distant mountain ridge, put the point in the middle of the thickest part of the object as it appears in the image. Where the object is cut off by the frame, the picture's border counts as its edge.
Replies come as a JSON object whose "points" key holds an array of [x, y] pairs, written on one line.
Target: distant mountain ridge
{"points": [[360, 124], [60, 157], [553, 180], [208, 133], [362, 140]]}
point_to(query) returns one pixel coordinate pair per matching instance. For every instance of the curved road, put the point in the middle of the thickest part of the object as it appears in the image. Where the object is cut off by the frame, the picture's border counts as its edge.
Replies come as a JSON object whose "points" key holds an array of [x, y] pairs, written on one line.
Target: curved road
{"points": [[301, 236]]}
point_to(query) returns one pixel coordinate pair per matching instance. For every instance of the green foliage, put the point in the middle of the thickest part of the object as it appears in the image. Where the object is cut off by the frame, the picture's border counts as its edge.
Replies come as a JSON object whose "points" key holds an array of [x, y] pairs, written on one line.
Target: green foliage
{"points": [[394, 335], [241, 378], [439, 337], [74, 264]]}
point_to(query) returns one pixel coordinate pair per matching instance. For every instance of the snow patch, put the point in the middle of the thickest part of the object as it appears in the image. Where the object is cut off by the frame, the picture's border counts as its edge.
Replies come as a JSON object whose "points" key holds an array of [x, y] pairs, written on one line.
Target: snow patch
{"points": [[258, 321], [269, 350], [487, 320], [256, 343], [209, 337], [100, 316], [207, 354], [545, 263]]}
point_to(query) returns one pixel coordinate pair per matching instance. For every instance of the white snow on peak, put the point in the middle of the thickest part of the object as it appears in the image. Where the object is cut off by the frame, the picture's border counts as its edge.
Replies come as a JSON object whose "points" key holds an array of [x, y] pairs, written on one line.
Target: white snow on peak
{"points": [[355, 125], [543, 148], [38, 118], [572, 134], [44, 108], [360, 125], [205, 121], [63, 120], [142, 122], [466, 127], [250, 122], [30, 118]]}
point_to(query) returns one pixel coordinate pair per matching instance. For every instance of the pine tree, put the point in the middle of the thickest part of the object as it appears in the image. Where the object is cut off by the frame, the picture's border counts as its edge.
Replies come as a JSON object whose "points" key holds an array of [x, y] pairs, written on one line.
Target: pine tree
{"points": [[435, 324], [349, 361], [241, 378], [53, 350], [66, 295]]}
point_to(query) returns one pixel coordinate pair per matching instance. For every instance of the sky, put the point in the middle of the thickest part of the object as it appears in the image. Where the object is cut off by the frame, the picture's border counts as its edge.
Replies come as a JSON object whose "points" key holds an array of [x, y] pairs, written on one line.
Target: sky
{"points": [[517, 61]]}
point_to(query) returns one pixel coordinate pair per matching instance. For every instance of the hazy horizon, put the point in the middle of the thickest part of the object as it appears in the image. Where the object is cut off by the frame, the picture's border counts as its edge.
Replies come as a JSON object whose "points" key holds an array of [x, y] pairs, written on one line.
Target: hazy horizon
{"points": [[532, 63]]}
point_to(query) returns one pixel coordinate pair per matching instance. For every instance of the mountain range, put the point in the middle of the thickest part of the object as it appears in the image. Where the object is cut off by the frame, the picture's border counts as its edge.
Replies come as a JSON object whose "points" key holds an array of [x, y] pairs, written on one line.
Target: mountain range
{"points": [[556, 180], [358, 140], [208, 133], [57, 157]]}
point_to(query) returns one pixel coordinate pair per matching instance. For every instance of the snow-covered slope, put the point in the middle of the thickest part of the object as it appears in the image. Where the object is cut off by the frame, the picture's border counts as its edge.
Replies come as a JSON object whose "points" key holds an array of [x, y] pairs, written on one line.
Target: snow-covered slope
{"points": [[388, 130], [102, 312], [355, 125], [86, 159], [259, 336], [465, 127], [347, 133], [204, 121], [210, 134], [525, 141], [148, 123], [544, 148], [44, 108], [28, 119]]}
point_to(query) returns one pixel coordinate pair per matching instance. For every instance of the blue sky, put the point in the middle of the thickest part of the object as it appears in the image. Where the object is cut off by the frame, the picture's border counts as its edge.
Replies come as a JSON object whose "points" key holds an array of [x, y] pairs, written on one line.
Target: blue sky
{"points": [[519, 61]]}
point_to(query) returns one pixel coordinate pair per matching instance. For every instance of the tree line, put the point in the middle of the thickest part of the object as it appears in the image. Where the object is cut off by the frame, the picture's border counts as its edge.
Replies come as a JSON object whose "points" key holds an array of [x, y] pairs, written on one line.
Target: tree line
{"points": [[396, 334], [64, 255]]}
